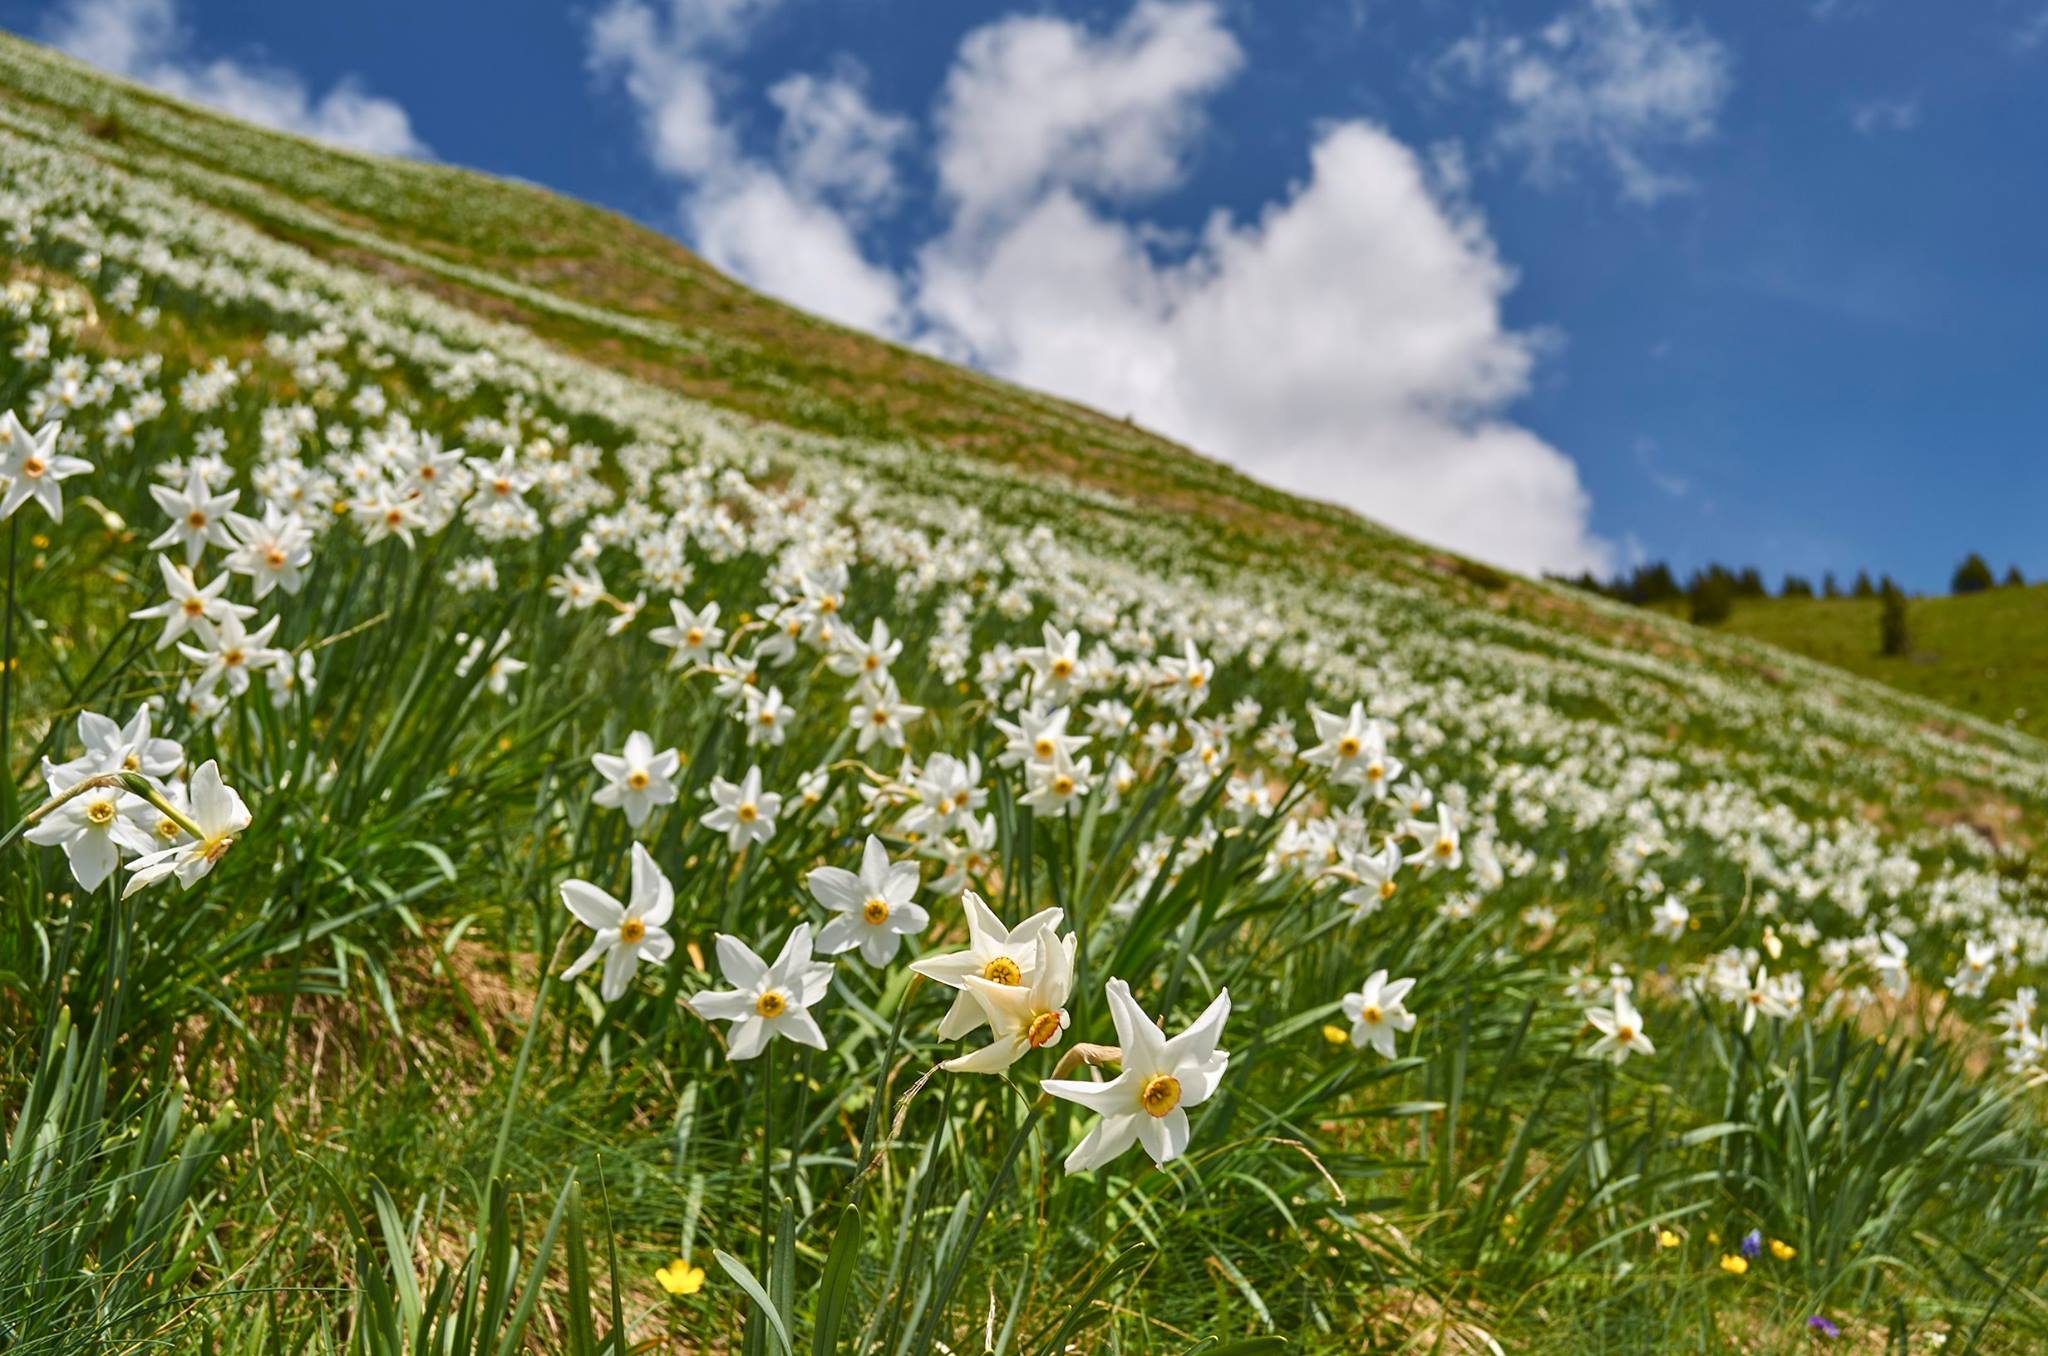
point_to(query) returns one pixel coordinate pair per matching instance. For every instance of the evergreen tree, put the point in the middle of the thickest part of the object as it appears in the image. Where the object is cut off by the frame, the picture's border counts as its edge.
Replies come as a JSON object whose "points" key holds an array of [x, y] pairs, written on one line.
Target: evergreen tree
{"points": [[1828, 587], [1863, 587], [2014, 579], [1972, 576], [1711, 596], [1796, 586], [1750, 583], [1892, 636]]}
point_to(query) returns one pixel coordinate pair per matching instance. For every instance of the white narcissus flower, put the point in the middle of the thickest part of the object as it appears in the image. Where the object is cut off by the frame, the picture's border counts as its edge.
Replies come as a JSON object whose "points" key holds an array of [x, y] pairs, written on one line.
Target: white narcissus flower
{"points": [[1758, 998], [273, 550], [744, 813], [853, 657], [1621, 1031], [1980, 963], [695, 637], [231, 654], [198, 518], [32, 468], [637, 780], [766, 716], [1056, 787], [1376, 1012], [879, 715], [1376, 884], [1161, 1079], [766, 1000], [994, 953], [190, 607], [1439, 843], [874, 908], [1022, 1018], [1669, 919], [1354, 748], [116, 748], [626, 933], [217, 813], [1890, 964], [1187, 677], [92, 827]]}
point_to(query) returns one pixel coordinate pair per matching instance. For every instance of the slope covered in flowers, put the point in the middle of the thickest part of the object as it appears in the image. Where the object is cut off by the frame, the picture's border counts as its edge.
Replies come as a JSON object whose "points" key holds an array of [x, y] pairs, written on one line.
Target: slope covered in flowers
{"points": [[536, 765]]}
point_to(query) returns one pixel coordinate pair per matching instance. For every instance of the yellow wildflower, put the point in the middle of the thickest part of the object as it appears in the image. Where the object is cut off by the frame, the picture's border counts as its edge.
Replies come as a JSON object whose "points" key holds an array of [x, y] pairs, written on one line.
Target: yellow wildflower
{"points": [[680, 1278], [1734, 1263], [1784, 1252]]}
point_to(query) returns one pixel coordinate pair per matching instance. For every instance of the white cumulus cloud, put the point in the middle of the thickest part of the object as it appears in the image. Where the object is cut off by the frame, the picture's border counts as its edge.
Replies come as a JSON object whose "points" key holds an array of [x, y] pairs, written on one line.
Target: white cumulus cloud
{"points": [[1620, 81], [1346, 341], [786, 228], [1034, 101], [1871, 116], [143, 40]]}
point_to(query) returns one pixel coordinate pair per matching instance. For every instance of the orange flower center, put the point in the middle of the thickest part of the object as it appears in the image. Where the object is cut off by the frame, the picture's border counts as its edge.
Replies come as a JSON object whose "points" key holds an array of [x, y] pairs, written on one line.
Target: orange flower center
{"points": [[1160, 1094]]}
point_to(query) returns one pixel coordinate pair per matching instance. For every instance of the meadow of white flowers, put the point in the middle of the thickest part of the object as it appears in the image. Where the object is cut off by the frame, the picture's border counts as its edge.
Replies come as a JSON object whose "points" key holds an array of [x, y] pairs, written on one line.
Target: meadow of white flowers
{"points": [[934, 904]]}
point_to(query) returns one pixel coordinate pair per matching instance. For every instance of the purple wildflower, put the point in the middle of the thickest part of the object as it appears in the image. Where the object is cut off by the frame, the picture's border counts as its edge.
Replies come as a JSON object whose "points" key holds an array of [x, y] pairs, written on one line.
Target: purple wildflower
{"points": [[1752, 1243], [1823, 1326]]}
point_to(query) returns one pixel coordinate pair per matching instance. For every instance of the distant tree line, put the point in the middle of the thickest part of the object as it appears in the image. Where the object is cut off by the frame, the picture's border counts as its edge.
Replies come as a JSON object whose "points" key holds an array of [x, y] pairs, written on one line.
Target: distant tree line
{"points": [[1715, 588], [1710, 593]]}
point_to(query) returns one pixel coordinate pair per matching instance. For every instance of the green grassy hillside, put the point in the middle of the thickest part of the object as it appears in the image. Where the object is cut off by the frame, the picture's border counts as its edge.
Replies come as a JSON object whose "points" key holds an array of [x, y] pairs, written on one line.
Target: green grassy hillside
{"points": [[553, 804], [1985, 653]]}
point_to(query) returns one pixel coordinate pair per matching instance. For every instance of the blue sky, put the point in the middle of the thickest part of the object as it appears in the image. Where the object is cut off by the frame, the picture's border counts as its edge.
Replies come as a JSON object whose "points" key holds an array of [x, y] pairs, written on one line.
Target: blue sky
{"points": [[1560, 283]]}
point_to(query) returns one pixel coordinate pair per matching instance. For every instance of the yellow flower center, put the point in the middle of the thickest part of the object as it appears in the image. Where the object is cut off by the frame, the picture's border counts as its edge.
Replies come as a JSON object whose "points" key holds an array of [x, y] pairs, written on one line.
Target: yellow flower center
{"points": [[1063, 785], [99, 813], [33, 467], [1445, 847], [216, 847], [875, 911], [1003, 970], [1160, 1094], [232, 658], [637, 779], [1387, 889], [1347, 747], [747, 813], [632, 930], [167, 828], [195, 520], [771, 1003], [1371, 1014], [1042, 747], [194, 607], [694, 637], [274, 558], [1623, 1035], [1045, 1029], [1375, 772], [1062, 668], [1195, 679]]}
